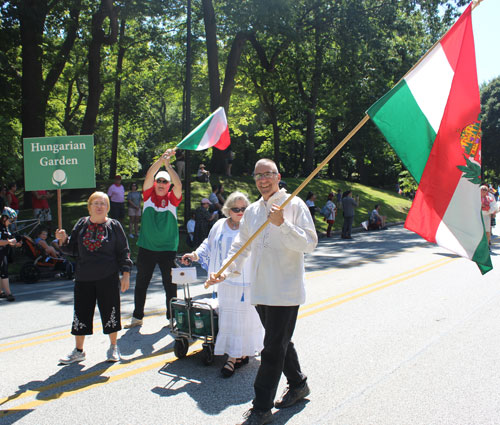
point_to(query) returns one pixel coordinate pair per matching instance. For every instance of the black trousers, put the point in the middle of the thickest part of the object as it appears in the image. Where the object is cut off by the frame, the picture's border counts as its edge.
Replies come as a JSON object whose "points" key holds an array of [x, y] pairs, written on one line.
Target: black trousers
{"points": [[146, 263], [278, 356], [106, 292], [347, 227]]}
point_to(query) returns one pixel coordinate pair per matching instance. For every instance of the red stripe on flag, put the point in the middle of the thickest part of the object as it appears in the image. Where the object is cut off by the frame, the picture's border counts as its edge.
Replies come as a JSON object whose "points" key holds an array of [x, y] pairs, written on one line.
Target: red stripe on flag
{"points": [[452, 40], [224, 140], [441, 175]]}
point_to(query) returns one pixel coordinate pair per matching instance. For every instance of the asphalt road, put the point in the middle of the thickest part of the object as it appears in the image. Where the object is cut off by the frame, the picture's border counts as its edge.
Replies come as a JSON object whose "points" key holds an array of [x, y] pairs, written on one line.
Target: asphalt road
{"points": [[394, 331]]}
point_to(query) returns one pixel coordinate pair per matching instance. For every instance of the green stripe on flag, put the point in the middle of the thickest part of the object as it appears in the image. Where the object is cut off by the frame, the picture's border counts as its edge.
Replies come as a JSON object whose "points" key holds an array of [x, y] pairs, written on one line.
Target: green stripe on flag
{"points": [[482, 255], [401, 121], [194, 139]]}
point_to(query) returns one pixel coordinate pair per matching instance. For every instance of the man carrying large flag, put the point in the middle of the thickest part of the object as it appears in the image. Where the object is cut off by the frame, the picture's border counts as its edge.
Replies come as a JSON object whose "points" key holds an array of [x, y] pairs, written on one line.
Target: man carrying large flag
{"points": [[431, 119]]}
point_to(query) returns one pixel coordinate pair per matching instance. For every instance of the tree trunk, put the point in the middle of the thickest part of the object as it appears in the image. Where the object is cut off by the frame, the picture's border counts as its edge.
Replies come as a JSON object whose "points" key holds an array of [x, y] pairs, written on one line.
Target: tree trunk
{"points": [[116, 102], [187, 118], [276, 135], [32, 14], [212, 54], [106, 9]]}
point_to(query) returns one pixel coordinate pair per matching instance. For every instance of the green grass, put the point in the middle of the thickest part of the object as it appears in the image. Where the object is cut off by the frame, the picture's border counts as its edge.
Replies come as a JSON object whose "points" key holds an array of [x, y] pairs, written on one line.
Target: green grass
{"points": [[395, 207]]}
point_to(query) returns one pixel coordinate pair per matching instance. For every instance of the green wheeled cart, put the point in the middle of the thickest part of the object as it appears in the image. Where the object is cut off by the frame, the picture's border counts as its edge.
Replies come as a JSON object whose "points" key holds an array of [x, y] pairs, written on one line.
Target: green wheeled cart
{"points": [[192, 319]]}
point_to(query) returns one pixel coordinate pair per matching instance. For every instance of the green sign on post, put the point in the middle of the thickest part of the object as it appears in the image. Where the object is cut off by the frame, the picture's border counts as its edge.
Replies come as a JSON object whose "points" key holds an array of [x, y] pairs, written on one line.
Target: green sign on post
{"points": [[64, 162]]}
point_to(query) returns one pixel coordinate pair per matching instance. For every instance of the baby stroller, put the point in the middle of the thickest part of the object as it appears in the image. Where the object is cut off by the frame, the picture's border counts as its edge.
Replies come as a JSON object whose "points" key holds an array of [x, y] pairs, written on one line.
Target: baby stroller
{"points": [[41, 264]]}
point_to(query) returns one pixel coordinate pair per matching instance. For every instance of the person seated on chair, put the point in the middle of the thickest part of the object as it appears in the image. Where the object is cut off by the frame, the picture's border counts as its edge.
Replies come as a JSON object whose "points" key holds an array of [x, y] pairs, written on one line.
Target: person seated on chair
{"points": [[203, 175], [376, 221], [41, 240]]}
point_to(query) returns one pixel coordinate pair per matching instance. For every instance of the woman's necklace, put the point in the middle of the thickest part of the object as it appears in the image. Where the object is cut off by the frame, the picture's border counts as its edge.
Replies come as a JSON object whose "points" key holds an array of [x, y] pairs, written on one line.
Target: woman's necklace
{"points": [[232, 225]]}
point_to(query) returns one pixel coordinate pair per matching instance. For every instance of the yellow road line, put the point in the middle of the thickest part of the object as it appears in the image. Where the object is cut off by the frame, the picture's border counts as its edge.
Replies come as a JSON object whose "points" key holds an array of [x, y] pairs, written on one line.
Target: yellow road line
{"points": [[326, 307], [335, 297]]}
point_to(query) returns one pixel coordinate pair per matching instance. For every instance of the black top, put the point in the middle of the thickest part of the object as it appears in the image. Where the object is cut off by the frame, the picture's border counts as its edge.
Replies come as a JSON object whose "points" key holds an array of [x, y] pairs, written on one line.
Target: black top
{"points": [[100, 249], [4, 235]]}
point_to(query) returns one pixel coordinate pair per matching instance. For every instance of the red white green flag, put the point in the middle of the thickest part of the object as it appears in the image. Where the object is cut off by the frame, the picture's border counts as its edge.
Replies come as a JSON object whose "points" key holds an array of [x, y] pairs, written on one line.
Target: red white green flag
{"points": [[431, 119], [213, 132]]}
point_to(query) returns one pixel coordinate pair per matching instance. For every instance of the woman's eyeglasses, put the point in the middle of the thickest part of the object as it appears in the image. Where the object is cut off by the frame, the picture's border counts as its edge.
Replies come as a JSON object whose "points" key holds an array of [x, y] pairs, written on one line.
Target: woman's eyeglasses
{"points": [[238, 210], [99, 204], [162, 181]]}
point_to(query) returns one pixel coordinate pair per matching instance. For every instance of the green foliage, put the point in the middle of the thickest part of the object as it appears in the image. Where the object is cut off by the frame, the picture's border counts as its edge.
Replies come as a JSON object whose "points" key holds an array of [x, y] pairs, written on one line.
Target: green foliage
{"points": [[490, 125]]}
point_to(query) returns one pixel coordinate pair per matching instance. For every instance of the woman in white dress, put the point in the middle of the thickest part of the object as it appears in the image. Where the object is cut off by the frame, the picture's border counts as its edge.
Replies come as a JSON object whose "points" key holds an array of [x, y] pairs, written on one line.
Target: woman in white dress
{"points": [[241, 333]]}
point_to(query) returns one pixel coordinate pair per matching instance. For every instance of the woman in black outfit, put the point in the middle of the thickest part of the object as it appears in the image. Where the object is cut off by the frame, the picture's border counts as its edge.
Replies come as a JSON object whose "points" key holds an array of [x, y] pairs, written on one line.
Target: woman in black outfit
{"points": [[102, 252]]}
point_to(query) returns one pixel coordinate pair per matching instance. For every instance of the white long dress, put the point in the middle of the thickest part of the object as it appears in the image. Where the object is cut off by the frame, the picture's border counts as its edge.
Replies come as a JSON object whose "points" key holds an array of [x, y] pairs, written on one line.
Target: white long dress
{"points": [[240, 330]]}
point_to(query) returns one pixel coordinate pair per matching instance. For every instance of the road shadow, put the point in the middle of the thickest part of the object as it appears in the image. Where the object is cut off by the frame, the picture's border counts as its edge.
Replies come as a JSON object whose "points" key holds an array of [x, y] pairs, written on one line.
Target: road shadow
{"points": [[205, 384], [366, 246], [66, 380]]}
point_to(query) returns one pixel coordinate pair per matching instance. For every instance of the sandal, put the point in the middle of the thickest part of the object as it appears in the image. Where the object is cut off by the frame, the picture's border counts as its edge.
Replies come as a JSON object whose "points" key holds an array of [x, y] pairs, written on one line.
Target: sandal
{"points": [[228, 369], [10, 297], [242, 361], [3, 294]]}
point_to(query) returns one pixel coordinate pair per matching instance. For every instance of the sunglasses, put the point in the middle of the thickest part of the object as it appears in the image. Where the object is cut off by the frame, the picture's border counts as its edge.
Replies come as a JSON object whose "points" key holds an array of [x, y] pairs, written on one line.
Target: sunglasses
{"points": [[238, 210], [162, 181]]}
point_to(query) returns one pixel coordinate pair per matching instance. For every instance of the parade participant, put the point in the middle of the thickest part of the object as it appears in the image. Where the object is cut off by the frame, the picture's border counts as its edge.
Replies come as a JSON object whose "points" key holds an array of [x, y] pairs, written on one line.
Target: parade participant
{"points": [[7, 241], [159, 237], [277, 286], [102, 252], [240, 331], [116, 193]]}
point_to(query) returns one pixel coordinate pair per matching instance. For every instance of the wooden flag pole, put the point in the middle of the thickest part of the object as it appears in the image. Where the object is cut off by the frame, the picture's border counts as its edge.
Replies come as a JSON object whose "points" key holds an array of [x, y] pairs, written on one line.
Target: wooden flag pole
{"points": [[59, 209], [296, 191]]}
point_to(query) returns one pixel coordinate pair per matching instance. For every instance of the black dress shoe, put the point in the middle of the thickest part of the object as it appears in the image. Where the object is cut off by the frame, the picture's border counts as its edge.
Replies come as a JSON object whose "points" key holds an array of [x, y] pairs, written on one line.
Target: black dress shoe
{"points": [[292, 396], [257, 417]]}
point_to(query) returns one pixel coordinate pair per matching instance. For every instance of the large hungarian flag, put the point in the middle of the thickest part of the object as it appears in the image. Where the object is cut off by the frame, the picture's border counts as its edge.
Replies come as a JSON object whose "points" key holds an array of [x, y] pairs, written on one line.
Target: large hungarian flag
{"points": [[431, 119], [212, 132]]}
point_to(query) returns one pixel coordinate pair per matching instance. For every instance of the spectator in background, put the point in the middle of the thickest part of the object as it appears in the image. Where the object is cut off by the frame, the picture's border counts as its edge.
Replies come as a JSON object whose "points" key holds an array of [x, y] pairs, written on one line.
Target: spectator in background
{"points": [[376, 221], [190, 226], [134, 198], [217, 199], [13, 202], [339, 197], [180, 163], [488, 207], [204, 219], [116, 193], [41, 208], [159, 237], [3, 197], [348, 205], [330, 219], [41, 240], [310, 198], [203, 175], [228, 161], [6, 243]]}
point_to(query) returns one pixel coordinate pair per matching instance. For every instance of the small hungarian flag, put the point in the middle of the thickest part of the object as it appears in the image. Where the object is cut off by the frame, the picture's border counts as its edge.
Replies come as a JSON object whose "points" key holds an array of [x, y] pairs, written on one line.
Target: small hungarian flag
{"points": [[212, 132], [431, 119]]}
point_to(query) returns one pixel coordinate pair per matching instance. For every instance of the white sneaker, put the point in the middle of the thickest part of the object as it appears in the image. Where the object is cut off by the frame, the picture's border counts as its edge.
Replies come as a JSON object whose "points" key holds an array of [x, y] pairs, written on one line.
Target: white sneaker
{"points": [[133, 323], [74, 356], [113, 354]]}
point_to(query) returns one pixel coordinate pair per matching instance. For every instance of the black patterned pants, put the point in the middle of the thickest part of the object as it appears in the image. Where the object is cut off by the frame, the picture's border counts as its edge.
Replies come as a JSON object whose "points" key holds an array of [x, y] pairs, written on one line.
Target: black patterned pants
{"points": [[106, 293]]}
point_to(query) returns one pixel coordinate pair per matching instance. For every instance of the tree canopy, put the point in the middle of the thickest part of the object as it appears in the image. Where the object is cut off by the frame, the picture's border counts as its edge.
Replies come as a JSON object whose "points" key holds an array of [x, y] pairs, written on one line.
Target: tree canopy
{"points": [[294, 77]]}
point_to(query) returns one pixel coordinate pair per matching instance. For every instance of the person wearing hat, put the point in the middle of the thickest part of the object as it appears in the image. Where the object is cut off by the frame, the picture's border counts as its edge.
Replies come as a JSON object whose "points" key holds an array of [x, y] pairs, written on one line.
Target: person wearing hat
{"points": [[203, 221], [6, 242], [116, 193], [202, 175], [159, 236]]}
